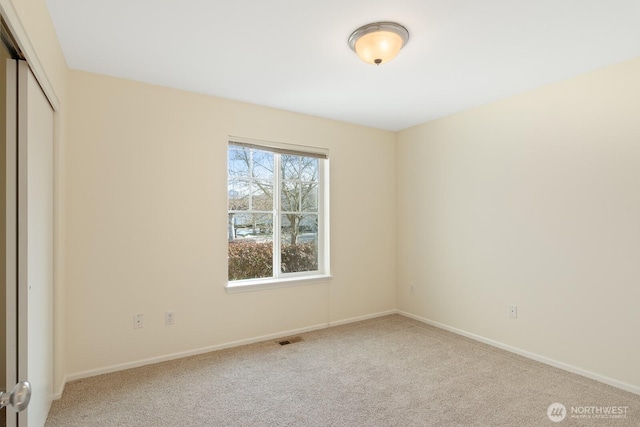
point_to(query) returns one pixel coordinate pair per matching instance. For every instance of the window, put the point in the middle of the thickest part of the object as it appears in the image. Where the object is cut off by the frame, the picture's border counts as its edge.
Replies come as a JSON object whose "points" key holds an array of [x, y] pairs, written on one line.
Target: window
{"points": [[276, 219]]}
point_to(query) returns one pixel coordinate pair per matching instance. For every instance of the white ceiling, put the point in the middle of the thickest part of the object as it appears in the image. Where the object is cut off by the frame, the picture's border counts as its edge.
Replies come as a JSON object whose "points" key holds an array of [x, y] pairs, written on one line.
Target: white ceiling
{"points": [[293, 54]]}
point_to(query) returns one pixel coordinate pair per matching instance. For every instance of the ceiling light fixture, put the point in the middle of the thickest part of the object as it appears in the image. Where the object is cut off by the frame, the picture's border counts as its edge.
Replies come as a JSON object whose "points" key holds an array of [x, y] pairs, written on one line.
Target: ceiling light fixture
{"points": [[379, 42]]}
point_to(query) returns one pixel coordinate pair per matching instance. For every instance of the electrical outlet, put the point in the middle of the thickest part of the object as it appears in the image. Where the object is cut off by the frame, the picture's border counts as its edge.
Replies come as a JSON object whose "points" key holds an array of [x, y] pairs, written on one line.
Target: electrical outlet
{"points": [[138, 321], [513, 311], [169, 318], [412, 288]]}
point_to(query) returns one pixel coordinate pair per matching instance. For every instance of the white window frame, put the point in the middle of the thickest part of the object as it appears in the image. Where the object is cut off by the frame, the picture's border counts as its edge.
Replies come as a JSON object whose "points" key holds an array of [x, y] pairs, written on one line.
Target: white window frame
{"points": [[280, 279]]}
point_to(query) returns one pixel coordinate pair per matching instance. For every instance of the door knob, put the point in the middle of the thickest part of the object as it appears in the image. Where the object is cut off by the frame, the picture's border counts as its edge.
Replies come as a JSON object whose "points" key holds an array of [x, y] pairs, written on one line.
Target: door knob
{"points": [[18, 398]]}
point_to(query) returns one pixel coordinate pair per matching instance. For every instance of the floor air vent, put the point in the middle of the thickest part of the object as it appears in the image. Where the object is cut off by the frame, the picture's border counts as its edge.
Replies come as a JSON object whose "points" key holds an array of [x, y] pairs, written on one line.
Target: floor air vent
{"points": [[290, 341]]}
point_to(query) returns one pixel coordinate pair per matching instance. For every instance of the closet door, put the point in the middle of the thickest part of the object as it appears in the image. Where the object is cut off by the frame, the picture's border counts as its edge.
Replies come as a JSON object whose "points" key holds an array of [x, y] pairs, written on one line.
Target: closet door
{"points": [[35, 245], [29, 246]]}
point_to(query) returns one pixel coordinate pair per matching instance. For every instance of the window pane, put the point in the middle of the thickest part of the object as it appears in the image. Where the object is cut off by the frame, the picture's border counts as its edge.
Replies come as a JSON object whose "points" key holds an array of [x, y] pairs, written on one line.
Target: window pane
{"points": [[263, 165], [239, 162], [309, 196], [290, 166], [290, 197], [262, 195], [299, 243], [250, 259], [250, 246], [253, 226], [309, 169], [238, 194]]}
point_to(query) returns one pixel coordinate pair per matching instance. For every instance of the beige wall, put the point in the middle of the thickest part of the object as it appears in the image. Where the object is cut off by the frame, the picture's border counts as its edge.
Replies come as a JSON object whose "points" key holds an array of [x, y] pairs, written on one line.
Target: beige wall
{"points": [[146, 207], [533, 201]]}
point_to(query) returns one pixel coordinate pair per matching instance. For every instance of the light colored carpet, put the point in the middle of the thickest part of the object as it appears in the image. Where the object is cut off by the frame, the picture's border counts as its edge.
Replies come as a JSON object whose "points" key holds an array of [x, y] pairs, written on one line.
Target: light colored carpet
{"points": [[389, 371]]}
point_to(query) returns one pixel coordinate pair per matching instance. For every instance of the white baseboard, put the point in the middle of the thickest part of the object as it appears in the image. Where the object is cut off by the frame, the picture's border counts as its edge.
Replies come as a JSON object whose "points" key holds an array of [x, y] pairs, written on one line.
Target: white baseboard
{"points": [[182, 354], [58, 395], [361, 318], [533, 356]]}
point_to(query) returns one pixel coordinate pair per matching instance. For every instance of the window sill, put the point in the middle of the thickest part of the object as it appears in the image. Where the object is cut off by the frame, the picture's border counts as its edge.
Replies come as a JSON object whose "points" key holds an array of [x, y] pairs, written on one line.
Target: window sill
{"points": [[260, 284]]}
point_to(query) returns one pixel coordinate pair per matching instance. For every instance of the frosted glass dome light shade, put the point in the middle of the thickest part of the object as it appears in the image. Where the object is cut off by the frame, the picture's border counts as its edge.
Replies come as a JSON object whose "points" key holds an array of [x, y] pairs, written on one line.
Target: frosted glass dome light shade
{"points": [[379, 42]]}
